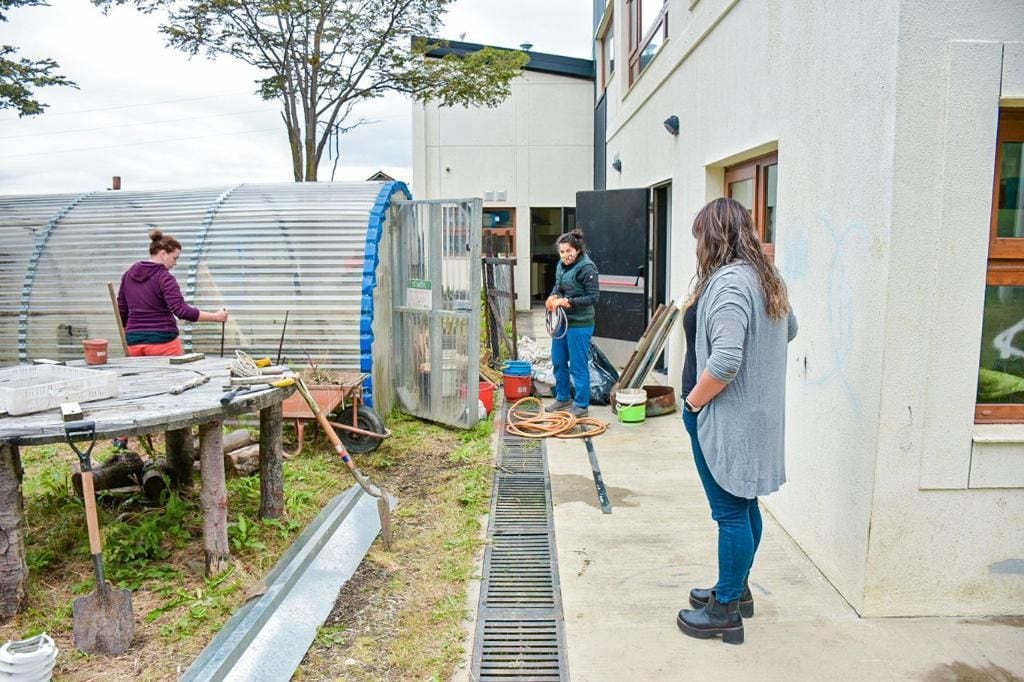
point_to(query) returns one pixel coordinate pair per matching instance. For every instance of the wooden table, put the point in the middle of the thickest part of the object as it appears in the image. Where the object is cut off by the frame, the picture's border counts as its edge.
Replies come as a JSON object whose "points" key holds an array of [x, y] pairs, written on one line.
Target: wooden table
{"points": [[145, 405]]}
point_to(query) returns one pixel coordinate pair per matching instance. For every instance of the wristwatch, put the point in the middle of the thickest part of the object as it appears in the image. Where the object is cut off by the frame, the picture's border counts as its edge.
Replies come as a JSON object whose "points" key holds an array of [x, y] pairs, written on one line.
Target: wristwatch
{"points": [[688, 406]]}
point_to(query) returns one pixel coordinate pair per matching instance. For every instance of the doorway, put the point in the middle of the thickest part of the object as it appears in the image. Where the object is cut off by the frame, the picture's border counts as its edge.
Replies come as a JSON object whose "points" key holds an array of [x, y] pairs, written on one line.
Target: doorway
{"points": [[657, 257], [545, 226]]}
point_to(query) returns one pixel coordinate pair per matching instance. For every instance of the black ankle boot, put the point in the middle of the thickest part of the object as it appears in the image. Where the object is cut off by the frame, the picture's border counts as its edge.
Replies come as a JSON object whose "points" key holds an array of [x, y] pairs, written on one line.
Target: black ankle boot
{"points": [[699, 599], [714, 619]]}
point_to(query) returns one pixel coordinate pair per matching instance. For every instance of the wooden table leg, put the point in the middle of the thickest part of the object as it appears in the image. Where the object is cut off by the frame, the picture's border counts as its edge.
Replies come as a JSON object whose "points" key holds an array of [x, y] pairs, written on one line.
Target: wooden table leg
{"points": [[271, 456], [213, 497], [13, 568], [180, 456]]}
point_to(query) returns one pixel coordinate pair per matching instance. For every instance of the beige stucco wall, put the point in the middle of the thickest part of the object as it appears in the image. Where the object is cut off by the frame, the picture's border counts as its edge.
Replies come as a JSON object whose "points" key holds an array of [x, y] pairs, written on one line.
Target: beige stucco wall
{"points": [[947, 528], [537, 147], [882, 239]]}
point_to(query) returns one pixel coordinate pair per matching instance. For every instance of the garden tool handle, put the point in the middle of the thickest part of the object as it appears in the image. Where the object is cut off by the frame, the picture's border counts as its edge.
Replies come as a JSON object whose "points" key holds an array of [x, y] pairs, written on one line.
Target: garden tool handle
{"points": [[91, 520], [85, 428], [325, 424]]}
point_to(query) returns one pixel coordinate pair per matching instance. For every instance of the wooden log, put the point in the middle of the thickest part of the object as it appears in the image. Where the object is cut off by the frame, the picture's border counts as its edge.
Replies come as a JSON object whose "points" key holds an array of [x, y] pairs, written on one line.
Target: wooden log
{"points": [[242, 461], [180, 453], [237, 439], [155, 477], [120, 471], [271, 462], [13, 567], [213, 497]]}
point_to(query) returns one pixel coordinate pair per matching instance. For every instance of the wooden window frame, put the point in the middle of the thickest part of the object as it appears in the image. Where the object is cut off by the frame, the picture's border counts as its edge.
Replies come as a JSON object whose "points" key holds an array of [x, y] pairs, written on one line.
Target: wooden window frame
{"points": [[637, 43], [509, 231], [1005, 259], [756, 170], [606, 73]]}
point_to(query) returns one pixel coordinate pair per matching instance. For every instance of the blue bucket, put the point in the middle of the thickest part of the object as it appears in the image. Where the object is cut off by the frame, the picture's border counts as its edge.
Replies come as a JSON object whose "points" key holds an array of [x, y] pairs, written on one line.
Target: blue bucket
{"points": [[517, 368]]}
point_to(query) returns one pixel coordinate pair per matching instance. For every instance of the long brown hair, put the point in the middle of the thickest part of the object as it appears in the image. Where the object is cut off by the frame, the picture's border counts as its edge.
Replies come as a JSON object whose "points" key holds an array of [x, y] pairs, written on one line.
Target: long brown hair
{"points": [[725, 232]]}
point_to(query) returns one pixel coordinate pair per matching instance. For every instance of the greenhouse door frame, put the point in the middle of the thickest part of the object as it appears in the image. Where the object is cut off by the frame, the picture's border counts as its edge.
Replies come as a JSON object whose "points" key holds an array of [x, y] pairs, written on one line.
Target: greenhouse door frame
{"points": [[436, 278]]}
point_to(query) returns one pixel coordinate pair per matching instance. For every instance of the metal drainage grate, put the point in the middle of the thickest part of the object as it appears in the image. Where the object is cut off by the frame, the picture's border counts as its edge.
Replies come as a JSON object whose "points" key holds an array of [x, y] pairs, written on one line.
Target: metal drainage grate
{"points": [[521, 501], [521, 649], [520, 634], [519, 574], [527, 458]]}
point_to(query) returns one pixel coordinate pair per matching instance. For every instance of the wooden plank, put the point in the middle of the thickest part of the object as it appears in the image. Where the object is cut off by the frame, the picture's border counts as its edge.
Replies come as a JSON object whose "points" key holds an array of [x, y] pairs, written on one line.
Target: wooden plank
{"points": [[634, 359], [188, 357], [654, 349]]}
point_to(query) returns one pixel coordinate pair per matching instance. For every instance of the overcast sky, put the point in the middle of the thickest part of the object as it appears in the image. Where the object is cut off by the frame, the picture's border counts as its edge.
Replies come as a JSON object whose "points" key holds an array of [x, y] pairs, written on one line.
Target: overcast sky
{"points": [[159, 120]]}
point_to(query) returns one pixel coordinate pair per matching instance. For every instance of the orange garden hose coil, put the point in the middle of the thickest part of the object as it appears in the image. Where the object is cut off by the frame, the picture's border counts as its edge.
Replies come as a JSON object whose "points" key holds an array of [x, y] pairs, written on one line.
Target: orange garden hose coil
{"points": [[529, 423]]}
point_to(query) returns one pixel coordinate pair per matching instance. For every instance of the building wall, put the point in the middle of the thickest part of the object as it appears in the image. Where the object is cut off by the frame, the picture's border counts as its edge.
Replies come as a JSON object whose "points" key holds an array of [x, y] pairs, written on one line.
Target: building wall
{"points": [[854, 98], [536, 147], [947, 528]]}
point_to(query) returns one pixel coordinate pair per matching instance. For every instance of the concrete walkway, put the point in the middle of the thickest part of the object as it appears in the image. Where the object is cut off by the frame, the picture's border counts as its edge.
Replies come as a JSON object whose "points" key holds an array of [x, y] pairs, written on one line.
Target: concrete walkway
{"points": [[624, 576]]}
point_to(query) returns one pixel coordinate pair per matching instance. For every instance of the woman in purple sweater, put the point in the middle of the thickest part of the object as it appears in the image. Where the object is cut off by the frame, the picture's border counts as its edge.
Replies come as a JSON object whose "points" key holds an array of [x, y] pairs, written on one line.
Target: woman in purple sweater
{"points": [[150, 300]]}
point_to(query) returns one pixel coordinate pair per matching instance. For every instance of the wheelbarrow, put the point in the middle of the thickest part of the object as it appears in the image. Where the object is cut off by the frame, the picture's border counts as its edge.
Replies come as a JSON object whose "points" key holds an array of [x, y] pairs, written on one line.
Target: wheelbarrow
{"points": [[360, 428]]}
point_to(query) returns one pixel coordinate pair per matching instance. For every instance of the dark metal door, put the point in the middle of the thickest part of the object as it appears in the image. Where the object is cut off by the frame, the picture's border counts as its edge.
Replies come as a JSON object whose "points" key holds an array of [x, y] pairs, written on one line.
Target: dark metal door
{"points": [[614, 223]]}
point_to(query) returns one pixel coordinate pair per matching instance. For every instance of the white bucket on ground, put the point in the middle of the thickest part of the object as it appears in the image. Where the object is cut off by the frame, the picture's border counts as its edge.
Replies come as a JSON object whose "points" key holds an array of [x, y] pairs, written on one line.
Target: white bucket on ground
{"points": [[631, 404], [28, 659]]}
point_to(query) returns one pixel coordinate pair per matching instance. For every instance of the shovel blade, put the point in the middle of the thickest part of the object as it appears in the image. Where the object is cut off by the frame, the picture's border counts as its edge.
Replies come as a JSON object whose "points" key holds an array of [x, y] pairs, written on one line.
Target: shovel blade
{"points": [[104, 622]]}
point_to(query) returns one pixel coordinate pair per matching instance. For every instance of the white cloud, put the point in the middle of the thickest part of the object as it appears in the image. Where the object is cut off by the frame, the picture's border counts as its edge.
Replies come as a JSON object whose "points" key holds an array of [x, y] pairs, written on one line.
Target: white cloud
{"points": [[161, 120]]}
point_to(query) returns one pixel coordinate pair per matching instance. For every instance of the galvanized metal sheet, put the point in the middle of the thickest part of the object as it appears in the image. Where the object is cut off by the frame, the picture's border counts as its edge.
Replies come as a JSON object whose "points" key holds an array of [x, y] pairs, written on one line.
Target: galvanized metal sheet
{"points": [[269, 636]]}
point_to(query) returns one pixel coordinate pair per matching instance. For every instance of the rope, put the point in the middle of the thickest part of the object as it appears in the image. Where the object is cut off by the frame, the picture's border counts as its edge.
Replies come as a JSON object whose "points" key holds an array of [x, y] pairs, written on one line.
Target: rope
{"points": [[556, 320], [528, 423], [244, 366]]}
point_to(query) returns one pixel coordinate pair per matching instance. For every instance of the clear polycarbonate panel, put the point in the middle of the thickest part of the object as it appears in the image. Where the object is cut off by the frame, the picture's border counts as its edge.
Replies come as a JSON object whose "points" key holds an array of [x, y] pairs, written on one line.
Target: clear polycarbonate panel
{"points": [[436, 288]]}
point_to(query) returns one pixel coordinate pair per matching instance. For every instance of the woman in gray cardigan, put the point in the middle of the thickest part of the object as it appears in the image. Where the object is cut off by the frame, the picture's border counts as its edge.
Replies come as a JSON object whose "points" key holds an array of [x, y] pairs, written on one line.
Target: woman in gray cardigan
{"points": [[737, 324]]}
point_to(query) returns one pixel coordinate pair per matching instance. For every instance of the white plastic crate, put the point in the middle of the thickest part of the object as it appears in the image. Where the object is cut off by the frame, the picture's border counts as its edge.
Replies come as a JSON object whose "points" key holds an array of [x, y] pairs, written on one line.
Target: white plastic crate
{"points": [[33, 388]]}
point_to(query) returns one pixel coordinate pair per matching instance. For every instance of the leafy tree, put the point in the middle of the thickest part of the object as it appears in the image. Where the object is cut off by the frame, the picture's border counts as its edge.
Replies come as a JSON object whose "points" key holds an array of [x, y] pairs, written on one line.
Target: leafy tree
{"points": [[322, 57], [18, 77]]}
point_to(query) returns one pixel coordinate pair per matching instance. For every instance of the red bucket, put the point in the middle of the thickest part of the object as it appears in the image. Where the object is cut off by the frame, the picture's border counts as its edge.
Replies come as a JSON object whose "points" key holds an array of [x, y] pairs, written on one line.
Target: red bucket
{"points": [[517, 388], [487, 395], [95, 351]]}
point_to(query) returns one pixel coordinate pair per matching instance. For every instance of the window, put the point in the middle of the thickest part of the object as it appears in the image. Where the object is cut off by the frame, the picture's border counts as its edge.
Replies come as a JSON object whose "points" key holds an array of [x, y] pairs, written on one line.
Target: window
{"points": [[608, 54], [648, 29], [499, 233], [755, 185], [1001, 366]]}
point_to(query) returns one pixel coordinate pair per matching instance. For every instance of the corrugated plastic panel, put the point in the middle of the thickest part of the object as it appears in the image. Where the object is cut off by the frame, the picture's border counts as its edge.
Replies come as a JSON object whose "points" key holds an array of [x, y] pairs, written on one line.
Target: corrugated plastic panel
{"points": [[259, 250]]}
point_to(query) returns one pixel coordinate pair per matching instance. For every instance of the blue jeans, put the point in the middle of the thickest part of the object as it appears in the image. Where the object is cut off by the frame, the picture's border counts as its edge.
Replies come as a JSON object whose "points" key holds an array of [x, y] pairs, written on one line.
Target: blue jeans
{"points": [[739, 524], [570, 355]]}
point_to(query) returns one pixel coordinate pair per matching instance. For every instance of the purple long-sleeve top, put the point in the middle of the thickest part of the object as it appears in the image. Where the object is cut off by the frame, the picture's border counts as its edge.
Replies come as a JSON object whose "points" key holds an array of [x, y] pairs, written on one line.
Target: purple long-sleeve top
{"points": [[150, 299]]}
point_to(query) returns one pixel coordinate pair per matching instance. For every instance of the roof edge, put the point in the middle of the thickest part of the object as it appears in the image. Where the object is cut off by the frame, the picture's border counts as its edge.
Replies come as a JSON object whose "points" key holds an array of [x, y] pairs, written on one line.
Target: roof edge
{"points": [[542, 62]]}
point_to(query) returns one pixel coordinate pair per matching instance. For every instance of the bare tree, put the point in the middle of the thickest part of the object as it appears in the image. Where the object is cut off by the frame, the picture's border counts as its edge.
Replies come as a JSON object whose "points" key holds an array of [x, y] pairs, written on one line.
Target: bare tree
{"points": [[323, 57]]}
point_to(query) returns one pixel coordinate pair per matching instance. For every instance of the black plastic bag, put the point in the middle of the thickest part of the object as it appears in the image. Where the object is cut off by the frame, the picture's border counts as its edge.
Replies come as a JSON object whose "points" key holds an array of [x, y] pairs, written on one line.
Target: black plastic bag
{"points": [[603, 376]]}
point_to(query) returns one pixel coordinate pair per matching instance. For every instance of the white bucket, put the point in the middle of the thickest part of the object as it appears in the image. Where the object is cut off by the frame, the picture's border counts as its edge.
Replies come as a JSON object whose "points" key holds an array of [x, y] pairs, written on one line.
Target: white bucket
{"points": [[631, 405], [28, 659]]}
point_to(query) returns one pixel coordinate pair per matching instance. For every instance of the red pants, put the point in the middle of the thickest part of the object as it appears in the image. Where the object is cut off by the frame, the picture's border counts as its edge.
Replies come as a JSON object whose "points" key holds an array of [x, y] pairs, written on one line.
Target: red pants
{"points": [[171, 348]]}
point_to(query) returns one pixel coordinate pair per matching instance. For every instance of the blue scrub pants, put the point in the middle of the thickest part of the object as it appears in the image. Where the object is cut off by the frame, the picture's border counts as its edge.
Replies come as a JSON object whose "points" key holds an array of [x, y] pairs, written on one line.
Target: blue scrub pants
{"points": [[739, 524], [570, 355]]}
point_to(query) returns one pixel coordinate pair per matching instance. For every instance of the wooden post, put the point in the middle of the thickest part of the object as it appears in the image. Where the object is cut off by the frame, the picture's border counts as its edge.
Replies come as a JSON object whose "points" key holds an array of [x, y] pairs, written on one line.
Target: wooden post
{"points": [[180, 455], [271, 471], [13, 568], [213, 497]]}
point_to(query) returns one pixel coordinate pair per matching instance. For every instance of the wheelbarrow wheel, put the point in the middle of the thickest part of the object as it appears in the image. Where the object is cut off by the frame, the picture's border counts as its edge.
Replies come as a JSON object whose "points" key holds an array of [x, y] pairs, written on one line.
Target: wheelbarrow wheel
{"points": [[367, 420]]}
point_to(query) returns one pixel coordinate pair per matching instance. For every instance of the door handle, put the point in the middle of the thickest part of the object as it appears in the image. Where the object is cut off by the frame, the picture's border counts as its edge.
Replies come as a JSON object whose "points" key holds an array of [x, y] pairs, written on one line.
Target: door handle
{"points": [[640, 271]]}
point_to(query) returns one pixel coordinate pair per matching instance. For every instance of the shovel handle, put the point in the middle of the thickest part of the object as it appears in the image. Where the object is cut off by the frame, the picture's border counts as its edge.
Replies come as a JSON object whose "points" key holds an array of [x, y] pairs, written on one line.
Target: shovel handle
{"points": [[91, 520]]}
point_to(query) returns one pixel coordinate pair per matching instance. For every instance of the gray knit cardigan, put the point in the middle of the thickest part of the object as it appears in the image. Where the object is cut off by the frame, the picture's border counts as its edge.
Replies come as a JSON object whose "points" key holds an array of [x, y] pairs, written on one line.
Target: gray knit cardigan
{"points": [[741, 431]]}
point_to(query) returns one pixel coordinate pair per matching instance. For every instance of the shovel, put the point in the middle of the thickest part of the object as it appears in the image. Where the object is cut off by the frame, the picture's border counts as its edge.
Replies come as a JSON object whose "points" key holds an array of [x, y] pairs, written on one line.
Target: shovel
{"points": [[103, 622]]}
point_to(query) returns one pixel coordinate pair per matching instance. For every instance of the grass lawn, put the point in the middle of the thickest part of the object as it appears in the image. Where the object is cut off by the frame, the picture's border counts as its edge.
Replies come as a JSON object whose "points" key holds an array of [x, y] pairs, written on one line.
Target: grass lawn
{"points": [[401, 616]]}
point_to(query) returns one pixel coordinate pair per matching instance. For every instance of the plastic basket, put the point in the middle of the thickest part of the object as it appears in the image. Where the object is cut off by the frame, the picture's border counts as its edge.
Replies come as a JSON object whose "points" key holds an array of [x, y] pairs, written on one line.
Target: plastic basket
{"points": [[34, 388]]}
